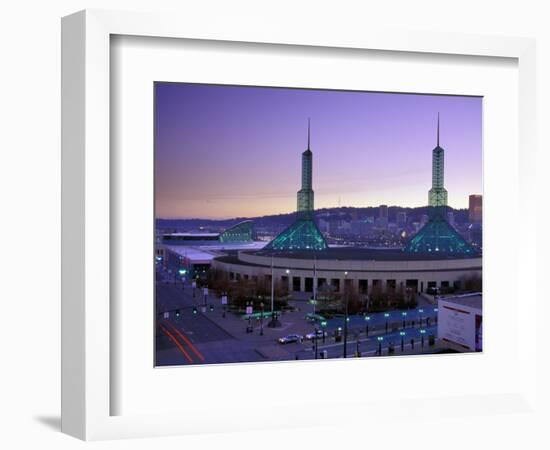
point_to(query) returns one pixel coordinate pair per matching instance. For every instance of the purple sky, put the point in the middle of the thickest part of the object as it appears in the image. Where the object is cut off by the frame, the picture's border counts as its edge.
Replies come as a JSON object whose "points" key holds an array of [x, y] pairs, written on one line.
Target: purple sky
{"points": [[227, 151]]}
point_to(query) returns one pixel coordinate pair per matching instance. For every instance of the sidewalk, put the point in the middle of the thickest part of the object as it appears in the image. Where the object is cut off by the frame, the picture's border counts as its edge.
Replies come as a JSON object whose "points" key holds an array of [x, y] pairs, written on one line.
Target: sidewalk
{"points": [[235, 325]]}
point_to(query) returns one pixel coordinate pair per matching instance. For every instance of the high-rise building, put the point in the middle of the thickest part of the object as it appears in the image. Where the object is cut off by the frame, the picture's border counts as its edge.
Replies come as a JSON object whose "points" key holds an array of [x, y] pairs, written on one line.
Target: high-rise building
{"points": [[437, 195], [475, 209], [401, 218], [382, 220], [305, 195]]}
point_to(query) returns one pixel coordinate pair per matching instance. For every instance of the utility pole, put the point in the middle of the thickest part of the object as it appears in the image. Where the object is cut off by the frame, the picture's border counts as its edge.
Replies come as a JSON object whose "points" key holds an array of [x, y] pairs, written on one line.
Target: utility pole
{"points": [[345, 316], [316, 344], [272, 294], [262, 319], [314, 282]]}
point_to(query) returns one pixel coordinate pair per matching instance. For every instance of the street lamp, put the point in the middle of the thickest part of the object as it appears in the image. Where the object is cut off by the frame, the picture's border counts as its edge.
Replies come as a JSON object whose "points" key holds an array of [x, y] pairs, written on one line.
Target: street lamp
{"points": [[224, 303], [402, 334], [249, 328], [380, 339], [273, 322], [182, 273], [386, 315], [314, 301], [315, 341], [262, 319], [367, 319], [422, 333], [346, 317], [314, 283], [404, 314], [288, 280]]}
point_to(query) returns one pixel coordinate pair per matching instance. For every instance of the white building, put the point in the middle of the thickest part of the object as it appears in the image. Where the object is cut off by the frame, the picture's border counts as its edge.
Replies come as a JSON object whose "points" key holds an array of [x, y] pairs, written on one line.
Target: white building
{"points": [[459, 322]]}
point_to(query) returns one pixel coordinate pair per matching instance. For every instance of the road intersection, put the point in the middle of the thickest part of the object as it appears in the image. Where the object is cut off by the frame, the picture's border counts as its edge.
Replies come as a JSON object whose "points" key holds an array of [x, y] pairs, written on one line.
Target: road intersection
{"points": [[188, 332]]}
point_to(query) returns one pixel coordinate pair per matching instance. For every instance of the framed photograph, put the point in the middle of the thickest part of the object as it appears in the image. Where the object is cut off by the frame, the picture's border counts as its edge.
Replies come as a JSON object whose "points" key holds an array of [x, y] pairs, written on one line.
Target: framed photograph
{"points": [[256, 221]]}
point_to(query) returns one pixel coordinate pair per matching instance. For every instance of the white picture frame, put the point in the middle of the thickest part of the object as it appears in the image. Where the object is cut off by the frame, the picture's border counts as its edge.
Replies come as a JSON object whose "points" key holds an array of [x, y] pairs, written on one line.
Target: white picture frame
{"points": [[86, 246]]}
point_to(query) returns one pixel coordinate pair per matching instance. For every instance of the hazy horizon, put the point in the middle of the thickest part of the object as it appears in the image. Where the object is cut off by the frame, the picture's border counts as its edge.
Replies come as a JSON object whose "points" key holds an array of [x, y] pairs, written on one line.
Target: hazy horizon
{"points": [[292, 212], [224, 152]]}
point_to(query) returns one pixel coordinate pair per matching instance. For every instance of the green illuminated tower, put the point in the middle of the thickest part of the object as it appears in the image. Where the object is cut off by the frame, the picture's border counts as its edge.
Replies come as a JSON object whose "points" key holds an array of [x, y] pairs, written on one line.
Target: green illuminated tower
{"points": [[437, 195], [437, 236], [305, 195], [303, 234]]}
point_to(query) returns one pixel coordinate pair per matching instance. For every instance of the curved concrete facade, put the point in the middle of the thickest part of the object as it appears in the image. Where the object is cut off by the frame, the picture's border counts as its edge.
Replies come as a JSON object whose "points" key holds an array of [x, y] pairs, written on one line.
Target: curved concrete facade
{"points": [[416, 273]]}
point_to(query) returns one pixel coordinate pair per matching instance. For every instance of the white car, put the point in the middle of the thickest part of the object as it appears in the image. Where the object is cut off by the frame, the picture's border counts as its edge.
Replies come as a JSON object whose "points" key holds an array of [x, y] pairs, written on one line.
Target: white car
{"points": [[290, 338], [320, 334]]}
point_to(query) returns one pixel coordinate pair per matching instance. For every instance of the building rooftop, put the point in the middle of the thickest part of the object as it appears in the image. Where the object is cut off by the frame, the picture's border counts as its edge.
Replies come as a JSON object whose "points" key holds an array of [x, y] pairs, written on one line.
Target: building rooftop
{"points": [[241, 232], [354, 253], [204, 254], [473, 300]]}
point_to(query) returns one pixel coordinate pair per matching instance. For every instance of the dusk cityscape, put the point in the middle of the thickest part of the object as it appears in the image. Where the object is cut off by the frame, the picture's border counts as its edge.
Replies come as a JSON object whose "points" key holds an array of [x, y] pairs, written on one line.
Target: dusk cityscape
{"points": [[300, 224]]}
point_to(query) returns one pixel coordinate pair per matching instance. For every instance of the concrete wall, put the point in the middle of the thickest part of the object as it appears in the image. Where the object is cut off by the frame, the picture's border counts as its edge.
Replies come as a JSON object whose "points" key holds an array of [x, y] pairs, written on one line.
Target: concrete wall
{"points": [[438, 273]]}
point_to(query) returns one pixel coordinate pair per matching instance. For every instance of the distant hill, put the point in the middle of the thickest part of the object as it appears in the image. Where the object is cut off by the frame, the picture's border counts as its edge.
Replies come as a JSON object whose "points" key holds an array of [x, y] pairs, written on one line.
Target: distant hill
{"points": [[279, 220]]}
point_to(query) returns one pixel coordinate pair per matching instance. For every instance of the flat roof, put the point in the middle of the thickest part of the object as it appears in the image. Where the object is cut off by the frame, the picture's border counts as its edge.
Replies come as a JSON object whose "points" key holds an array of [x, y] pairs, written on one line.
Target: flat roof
{"points": [[193, 254], [203, 254], [355, 253], [231, 246], [474, 300]]}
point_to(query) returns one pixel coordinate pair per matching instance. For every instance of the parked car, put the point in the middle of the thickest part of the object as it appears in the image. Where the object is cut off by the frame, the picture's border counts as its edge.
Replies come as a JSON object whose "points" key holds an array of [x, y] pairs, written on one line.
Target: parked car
{"points": [[290, 338], [320, 334]]}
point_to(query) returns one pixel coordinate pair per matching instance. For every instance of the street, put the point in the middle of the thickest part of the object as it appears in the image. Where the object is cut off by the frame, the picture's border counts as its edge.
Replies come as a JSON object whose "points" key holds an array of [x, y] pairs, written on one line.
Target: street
{"points": [[194, 330]]}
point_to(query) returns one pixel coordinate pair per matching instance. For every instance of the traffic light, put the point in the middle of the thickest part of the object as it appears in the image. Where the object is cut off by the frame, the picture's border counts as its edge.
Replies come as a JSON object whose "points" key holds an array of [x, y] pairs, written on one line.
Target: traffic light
{"points": [[195, 310], [211, 307], [177, 312]]}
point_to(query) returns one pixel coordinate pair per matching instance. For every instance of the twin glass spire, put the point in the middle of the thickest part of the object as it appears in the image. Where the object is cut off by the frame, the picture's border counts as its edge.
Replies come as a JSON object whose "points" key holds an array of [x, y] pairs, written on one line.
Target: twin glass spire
{"points": [[303, 234], [305, 204], [437, 236], [437, 196]]}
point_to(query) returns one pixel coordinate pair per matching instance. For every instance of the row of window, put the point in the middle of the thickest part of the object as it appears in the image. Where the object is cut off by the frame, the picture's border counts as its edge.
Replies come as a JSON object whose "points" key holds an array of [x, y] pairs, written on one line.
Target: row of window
{"points": [[295, 283]]}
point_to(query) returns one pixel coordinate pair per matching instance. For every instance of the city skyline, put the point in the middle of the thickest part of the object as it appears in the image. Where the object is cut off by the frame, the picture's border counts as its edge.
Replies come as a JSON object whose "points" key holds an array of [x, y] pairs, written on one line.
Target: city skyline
{"points": [[231, 151]]}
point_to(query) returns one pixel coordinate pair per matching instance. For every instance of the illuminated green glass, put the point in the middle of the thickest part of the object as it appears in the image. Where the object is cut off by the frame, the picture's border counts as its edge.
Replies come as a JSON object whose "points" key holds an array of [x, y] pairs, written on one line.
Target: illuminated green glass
{"points": [[242, 232], [301, 235], [437, 236]]}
